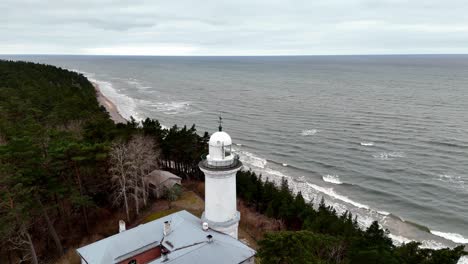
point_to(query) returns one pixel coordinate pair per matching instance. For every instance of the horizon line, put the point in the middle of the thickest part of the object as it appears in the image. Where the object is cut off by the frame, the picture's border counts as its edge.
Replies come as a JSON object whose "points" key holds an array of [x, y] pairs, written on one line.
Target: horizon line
{"points": [[271, 55]]}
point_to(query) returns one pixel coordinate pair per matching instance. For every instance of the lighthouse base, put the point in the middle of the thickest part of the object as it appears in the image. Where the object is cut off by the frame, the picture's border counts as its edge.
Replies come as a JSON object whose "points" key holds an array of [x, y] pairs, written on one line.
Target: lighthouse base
{"points": [[229, 227]]}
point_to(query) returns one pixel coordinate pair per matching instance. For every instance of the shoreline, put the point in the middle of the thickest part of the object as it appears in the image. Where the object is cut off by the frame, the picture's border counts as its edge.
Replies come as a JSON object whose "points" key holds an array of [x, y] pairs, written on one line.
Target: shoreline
{"points": [[427, 239], [109, 105]]}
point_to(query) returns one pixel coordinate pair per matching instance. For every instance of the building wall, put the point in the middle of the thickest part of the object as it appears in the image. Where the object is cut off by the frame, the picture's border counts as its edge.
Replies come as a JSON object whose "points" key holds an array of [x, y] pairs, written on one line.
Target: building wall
{"points": [[145, 257], [231, 230], [220, 197]]}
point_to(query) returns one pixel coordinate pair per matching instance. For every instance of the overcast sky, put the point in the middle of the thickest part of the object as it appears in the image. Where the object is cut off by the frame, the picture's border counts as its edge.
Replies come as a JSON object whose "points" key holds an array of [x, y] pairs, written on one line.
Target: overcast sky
{"points": [[235, 27]]}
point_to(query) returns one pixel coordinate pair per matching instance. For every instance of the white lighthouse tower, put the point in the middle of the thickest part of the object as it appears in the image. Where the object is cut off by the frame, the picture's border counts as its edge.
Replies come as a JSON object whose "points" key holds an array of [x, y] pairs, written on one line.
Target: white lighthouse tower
{"points": [[220, 168]]}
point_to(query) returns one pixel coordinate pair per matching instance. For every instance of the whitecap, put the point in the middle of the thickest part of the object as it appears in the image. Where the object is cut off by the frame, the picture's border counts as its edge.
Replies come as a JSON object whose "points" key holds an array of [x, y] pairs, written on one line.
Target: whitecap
{"points": [[367, 144], [456, 180], [285, 164], [335, 179], [330, 192], [457, 238], [388, 155], [309, 132]]}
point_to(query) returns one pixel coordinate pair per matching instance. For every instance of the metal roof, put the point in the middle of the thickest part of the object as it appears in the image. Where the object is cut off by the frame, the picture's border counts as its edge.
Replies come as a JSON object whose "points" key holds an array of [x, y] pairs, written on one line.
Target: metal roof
{"points": [[187, 243]]}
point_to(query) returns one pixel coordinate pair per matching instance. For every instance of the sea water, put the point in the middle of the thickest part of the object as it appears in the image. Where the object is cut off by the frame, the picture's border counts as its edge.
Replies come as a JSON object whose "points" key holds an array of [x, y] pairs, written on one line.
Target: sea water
{"points": [[385, 137]]}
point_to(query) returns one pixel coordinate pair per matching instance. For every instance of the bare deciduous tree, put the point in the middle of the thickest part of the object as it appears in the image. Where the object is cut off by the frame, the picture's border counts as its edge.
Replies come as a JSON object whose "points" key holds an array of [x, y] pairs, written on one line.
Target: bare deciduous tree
{"points": [[15, 228], [22, 242], [120, 176], [143, 156], [130, 164]]}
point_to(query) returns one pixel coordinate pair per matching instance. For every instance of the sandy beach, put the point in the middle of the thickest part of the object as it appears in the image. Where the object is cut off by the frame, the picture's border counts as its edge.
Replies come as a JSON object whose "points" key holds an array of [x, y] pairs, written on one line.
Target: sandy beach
{"points": [[109, 105]]}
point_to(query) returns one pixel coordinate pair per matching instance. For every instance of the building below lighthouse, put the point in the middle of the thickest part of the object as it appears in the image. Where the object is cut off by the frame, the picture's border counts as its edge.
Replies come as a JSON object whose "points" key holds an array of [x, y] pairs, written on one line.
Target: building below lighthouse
{"points": [[181, 237], [220, 168]]}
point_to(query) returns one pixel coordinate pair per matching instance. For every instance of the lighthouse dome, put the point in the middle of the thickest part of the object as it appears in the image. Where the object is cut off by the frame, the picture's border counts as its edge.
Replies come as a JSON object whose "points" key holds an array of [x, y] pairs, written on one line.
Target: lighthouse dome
{"points": [[219, 139]]}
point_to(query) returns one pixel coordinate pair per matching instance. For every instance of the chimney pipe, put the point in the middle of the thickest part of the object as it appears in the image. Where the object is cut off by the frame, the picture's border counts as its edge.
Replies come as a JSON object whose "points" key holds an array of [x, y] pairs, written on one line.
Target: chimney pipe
{"points": [[166, 228], [205, 226], [165, 257], [210, 238], [122, 226]]}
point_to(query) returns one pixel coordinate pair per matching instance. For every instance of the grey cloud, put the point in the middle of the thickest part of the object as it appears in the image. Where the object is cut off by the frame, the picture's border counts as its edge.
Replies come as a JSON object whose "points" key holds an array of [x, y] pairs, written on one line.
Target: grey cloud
{"points": [[234, 27]]}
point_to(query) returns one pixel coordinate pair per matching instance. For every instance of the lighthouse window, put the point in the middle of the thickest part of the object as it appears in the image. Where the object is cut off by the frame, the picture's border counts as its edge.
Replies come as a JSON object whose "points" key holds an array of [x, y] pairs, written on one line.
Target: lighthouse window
{"points": [[227, 151]]}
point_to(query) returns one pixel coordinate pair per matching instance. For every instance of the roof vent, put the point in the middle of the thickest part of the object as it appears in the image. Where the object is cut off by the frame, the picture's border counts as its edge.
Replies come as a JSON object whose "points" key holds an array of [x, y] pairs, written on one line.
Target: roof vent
{"points": [[205, 226], [122, 226], [166, 228], [165, 257], [210, 238]]}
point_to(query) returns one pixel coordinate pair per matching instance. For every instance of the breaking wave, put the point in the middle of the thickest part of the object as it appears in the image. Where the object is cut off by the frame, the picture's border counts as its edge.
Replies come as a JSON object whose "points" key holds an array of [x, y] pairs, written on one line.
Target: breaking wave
{"points": [[341, 203], [367, 144], [251, 160], [457, 238], [335, 179], [330, 192]]}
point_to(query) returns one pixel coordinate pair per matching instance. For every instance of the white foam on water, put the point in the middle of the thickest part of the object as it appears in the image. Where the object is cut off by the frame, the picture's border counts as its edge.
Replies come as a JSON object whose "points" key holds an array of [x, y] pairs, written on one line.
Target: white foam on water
{"points": [[309, 132], [457, 238], [276, 173], [285, 164], [125, 105], [238, 144], [330, 192], [399, 240], [251, 159], [367, 144], [365, 215], [384, 213], [137, 84], [463, 260], [173, 108], [335, 179], [431, 244], [458, 181], [388, 155]]}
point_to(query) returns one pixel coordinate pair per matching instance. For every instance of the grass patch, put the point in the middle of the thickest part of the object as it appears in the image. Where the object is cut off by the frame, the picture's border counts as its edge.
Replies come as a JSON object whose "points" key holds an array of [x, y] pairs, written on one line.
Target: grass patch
{"points": [[160, 214], [189, 201]]}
